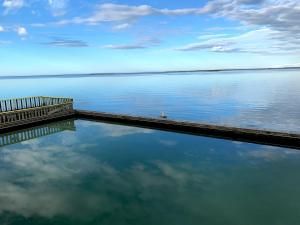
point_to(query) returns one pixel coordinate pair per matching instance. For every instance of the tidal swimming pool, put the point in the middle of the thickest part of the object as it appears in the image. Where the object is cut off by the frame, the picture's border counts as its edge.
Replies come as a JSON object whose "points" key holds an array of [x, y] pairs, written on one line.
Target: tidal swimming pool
{"points": [[83, 172]]}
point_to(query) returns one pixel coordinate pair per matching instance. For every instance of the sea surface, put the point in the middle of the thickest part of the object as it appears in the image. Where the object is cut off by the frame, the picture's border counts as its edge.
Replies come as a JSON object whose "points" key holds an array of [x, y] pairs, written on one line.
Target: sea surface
{"points": [[90, 173], [266, 99]]}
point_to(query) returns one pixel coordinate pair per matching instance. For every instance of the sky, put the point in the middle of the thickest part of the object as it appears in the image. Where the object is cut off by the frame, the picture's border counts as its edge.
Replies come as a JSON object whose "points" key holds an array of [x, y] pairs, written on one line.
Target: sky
{"points": [[44, 37]]}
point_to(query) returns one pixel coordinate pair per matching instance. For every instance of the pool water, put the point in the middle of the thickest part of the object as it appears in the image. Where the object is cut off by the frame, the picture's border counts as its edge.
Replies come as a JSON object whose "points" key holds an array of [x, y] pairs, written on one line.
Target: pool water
{"points": [[88, 173]]}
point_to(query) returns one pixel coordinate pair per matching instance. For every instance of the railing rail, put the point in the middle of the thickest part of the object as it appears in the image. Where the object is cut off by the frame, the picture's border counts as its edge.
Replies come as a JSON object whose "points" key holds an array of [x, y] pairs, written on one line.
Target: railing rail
{"points": [[30, 109], [9, 105]]}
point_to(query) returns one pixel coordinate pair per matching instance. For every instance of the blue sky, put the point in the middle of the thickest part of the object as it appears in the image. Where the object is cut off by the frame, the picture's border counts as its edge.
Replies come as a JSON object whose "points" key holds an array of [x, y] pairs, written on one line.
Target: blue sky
{"points": [[64, 36]]}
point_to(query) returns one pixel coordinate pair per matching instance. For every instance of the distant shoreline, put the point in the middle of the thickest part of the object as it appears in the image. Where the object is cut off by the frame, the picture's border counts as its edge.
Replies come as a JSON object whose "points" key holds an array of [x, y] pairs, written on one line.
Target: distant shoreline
{"points": [[140, 73]]}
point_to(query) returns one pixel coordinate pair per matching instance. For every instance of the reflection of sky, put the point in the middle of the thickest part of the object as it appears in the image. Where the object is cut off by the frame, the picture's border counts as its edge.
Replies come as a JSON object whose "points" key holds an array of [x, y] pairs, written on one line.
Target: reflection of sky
{"points": [[268, 99], [109, 174]]}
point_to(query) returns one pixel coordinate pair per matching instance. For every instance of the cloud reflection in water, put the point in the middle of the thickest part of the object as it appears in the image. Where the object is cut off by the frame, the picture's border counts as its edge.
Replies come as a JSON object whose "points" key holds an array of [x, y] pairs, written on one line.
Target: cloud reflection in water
{"points": [[111, 174]]}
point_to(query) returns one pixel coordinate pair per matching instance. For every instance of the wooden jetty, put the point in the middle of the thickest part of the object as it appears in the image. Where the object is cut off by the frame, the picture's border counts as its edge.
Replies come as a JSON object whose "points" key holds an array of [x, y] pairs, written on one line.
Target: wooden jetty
{"points": [[16, 114], [20, 112]]}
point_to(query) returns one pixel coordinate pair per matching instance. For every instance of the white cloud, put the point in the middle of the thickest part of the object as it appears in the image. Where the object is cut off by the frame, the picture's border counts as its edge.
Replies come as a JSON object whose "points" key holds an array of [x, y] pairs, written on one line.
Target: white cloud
{"points": [[125, 46], [122, 26], [224, 49], [274, 23], [21, 31], [114, 12], [38, 25], [261, 41], [179, 12], [58, 7], [1, 29], [11, 5], [280, 16]]}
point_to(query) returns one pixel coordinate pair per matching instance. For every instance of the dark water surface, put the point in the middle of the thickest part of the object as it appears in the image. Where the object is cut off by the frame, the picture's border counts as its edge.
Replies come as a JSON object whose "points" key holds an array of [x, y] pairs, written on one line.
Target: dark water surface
{"points": [[255, 99], [81, 172]]}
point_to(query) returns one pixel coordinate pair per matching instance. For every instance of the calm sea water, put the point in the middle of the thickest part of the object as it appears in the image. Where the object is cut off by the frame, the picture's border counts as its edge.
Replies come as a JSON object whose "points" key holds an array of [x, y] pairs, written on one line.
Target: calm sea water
{"points": [[92, 173], [255, 99]]}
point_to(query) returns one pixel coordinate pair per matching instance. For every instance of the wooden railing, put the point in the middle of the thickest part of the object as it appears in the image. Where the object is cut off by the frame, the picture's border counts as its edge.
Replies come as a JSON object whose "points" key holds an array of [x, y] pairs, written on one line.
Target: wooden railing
{"points": [[23, 110], [31, 102]]}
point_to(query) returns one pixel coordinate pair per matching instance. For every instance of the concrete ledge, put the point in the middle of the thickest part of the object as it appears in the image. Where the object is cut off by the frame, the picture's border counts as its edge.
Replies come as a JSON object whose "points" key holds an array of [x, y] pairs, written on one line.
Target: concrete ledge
{"points": [[281, 139]]}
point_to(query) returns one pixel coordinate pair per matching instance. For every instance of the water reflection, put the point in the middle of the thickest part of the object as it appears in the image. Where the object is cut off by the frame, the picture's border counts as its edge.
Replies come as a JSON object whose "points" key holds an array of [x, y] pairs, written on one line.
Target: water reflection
{"points": [[110, 174], [36, 132]]}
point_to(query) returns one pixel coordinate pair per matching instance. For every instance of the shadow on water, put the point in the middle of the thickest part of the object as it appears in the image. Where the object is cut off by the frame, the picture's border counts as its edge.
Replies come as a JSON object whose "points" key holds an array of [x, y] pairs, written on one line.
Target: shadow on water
{"points": [[36, 132]]}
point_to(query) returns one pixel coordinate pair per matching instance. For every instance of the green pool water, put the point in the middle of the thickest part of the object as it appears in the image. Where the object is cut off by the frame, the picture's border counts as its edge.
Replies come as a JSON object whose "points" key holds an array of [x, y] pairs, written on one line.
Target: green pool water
{"points": [[86, 173]]}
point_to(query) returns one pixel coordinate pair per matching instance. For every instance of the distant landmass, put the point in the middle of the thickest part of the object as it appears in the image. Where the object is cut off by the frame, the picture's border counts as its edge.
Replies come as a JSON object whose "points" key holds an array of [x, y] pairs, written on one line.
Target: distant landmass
{"points": [[143, 73]]}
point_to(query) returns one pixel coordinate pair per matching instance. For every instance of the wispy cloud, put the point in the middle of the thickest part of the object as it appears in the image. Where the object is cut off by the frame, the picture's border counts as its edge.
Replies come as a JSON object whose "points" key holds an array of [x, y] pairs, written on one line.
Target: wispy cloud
{"points": [[264, 40], [121, 26], [280, 15], [212, 36], [12, 5], [279, 22], [19, 30], [259, 26], [38, 25], [276, 22], [115, 12], [69, 43], [5, 42], [279, 18], [125, 46], [58, 7], [142, 43], [260, 41]]}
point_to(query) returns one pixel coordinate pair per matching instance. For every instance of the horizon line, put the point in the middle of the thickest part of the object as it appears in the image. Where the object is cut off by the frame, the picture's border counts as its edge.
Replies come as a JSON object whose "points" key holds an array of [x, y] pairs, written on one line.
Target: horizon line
{"points": [[141, 73]]}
